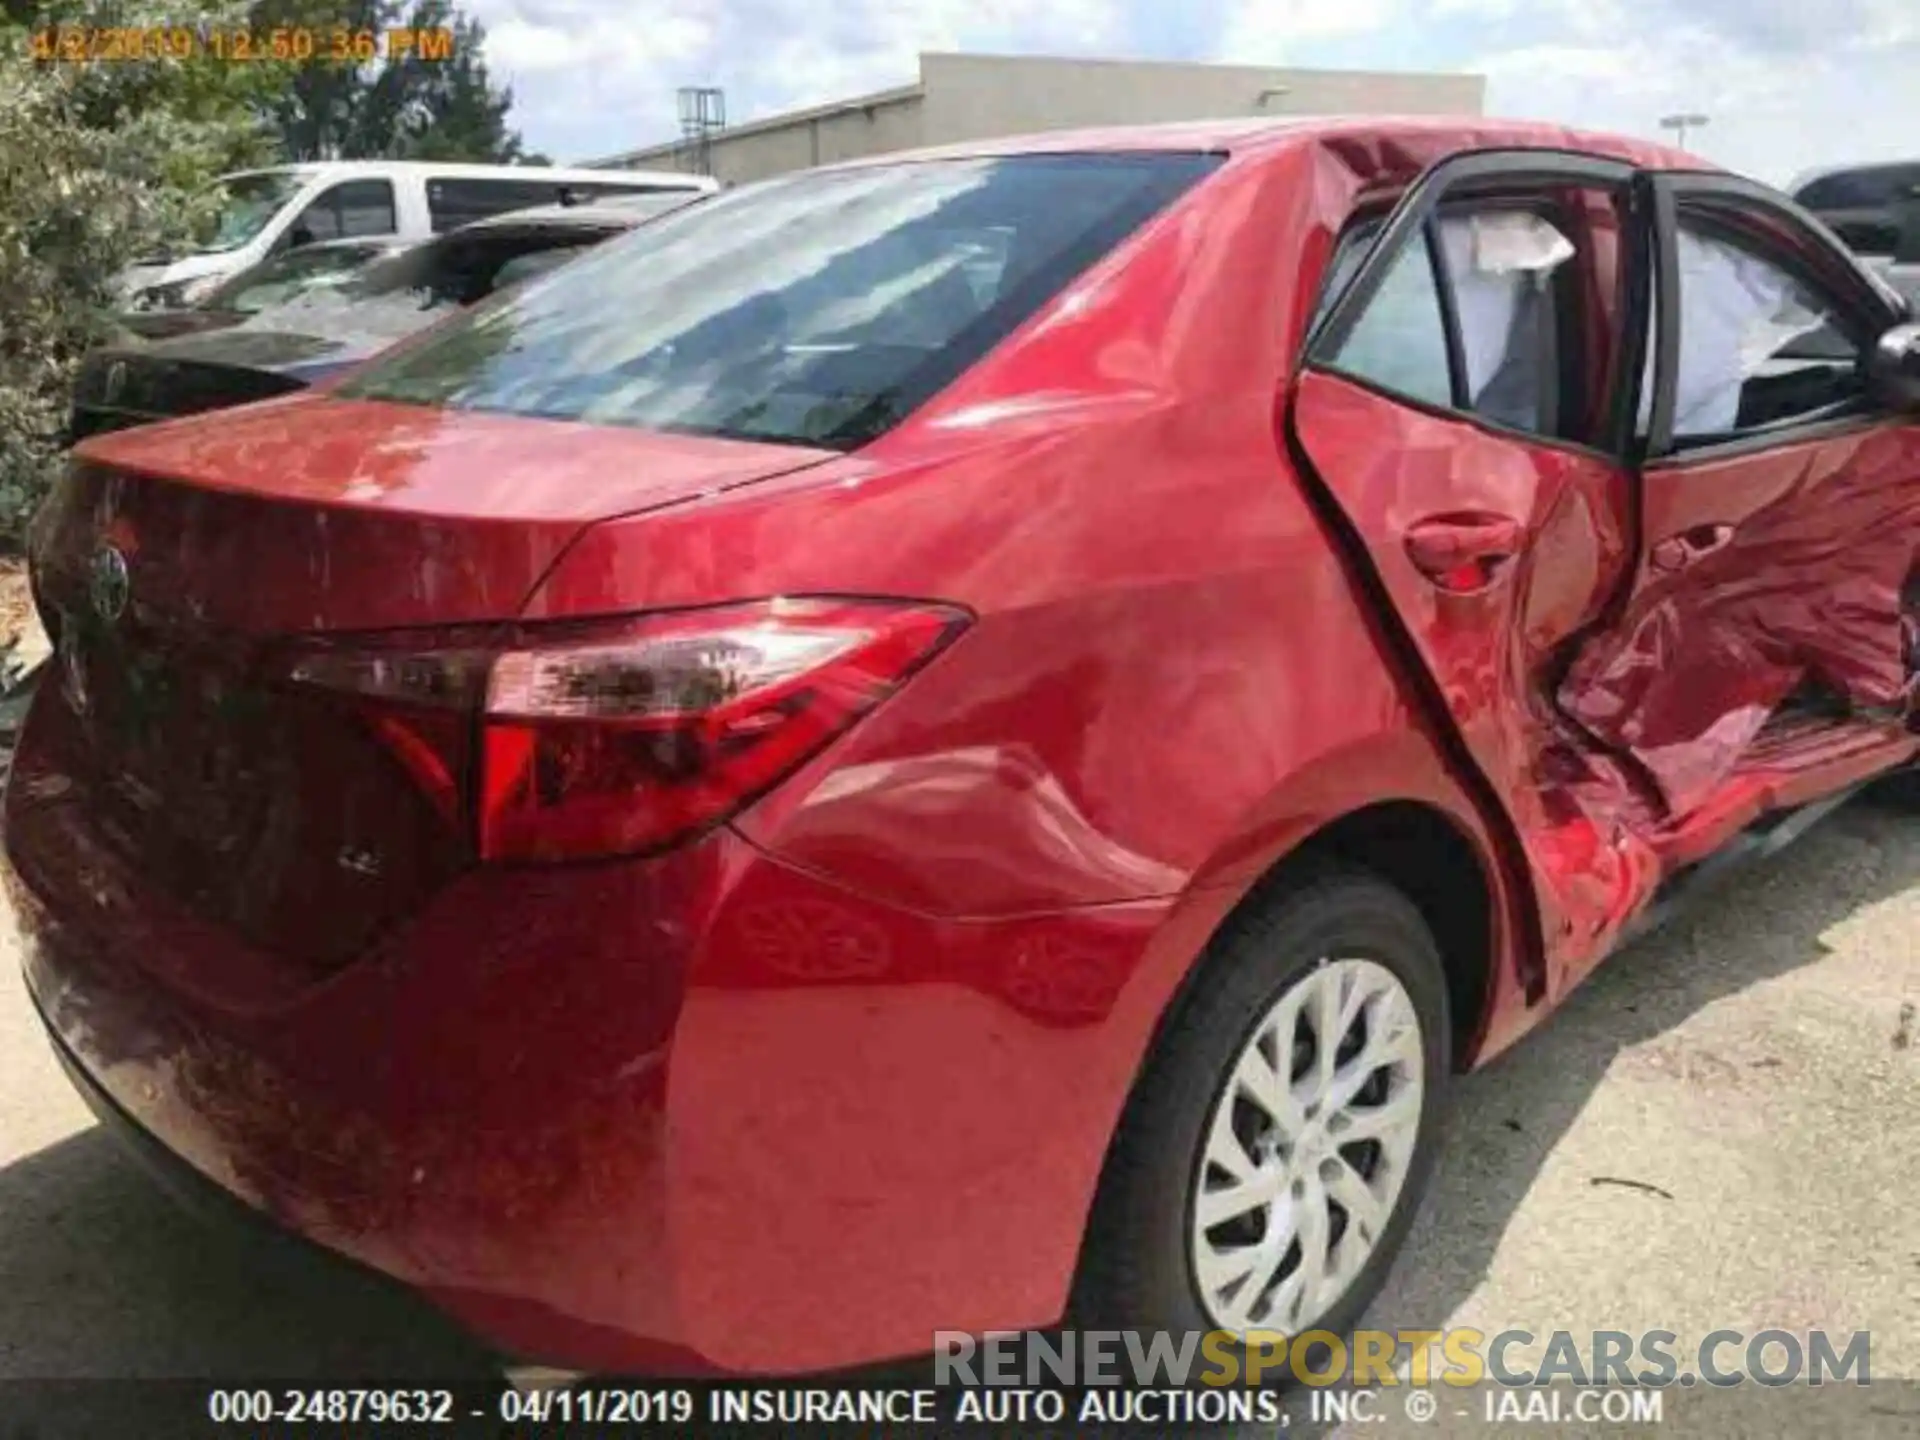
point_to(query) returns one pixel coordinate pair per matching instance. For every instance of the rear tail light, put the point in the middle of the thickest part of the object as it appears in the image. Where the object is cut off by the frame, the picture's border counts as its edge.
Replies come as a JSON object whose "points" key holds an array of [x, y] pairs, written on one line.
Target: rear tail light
{"points": [[586, 739]]}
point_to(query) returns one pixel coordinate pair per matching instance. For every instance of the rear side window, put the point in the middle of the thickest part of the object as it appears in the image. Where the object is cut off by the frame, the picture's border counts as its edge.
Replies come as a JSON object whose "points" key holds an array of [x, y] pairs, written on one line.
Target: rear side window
{"points": [[1491, 277], [815, 309], [1502, 268], [452, 203], [1400, 340]]}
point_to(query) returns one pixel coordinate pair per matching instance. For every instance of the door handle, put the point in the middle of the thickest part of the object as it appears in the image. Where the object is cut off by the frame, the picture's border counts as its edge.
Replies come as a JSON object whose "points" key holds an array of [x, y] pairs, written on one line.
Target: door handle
{"points": [[1690, 546], [1465, 552]]}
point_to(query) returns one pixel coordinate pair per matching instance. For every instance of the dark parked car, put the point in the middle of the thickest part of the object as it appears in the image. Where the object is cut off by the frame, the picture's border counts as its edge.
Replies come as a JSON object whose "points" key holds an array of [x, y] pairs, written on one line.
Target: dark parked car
{"points": [[1870, 207], [938, 742], [274, 281], [324, 331], [1875, 209]]}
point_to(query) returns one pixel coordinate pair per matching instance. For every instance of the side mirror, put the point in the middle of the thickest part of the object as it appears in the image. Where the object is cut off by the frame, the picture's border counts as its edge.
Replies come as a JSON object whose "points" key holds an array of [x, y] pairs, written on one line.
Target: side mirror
{"points": [[298, 236], [1893, 368]]}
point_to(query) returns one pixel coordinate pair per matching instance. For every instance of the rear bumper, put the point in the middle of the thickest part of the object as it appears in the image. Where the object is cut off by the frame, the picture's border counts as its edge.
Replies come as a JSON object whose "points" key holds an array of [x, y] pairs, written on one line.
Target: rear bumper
{"points": [[214, 1206], [698, 1114]]}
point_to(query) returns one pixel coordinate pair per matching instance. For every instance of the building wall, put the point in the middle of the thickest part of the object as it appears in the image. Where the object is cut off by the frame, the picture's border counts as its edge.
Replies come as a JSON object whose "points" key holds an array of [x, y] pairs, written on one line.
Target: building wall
{"points": [[813, 138], [976, 97], [973, 97]]}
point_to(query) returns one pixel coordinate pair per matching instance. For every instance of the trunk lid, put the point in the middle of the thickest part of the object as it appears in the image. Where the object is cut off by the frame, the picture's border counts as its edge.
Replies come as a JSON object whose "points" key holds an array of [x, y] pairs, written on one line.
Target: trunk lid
{"points": [[310, 513], [174, 563]]}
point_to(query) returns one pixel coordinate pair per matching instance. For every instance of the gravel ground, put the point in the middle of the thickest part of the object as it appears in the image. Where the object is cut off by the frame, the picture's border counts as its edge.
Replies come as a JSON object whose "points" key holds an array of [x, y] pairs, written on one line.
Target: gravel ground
{"points": [[1750, 1068]]}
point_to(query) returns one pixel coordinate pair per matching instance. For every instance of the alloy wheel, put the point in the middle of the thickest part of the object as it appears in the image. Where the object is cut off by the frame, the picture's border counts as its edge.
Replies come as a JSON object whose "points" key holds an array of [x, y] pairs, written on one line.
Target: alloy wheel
{"points": [[1307, 1149]]}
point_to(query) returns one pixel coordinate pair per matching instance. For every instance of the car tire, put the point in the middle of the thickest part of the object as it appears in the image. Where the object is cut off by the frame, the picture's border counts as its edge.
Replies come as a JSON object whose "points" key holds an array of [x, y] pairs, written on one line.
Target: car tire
{"points": [[1147, 1261]]}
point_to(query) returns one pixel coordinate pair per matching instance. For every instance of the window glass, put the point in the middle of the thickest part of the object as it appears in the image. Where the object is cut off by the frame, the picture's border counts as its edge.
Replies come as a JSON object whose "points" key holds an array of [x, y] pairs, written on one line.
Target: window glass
{"points": [[453, 202], [365, 206], [1501, 265], [1880, 236], [1905, 242], [1860, 189], [402, 293], [1400, 341], [245, 204], [525, 267], [276, 280], [319, 221], [1352, 249], [1649, 371], [1870, 209], [817, 308], [1758, 346]]}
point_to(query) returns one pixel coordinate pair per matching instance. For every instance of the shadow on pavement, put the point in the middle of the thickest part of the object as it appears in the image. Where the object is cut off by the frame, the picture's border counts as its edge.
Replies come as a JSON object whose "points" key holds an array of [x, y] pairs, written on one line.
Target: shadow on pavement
{"points": [[106, 1275], [1762, 922]]}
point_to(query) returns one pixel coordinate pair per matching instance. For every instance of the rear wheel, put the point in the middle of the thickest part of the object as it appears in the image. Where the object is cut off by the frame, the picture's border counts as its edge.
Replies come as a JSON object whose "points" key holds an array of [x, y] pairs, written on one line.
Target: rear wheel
{"points": [[1275, 1149]]}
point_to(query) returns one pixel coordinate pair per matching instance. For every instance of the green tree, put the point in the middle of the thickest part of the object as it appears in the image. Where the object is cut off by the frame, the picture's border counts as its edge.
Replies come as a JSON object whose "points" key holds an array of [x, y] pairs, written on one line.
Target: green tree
{"points": [[407, 106], [99, 164], [103, 163]]}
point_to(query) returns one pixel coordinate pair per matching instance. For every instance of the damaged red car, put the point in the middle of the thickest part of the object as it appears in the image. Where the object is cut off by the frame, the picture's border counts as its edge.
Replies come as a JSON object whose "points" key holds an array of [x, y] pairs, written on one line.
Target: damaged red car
{"points": [[962, 739]]}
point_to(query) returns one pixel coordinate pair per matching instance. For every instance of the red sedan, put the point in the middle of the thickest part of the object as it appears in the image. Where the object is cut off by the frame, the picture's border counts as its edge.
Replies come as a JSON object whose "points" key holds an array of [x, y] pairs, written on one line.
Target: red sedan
{"points": [[961, 739]]}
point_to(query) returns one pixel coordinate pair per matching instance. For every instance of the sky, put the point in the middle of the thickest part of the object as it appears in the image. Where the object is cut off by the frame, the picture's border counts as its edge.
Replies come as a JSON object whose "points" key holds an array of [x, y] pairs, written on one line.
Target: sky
{"points": [[1787, 84]]}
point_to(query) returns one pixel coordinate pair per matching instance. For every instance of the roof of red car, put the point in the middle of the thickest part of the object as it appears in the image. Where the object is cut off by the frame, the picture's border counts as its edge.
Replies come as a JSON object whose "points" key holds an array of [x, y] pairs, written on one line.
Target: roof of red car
{"points": [[1239, 135]]}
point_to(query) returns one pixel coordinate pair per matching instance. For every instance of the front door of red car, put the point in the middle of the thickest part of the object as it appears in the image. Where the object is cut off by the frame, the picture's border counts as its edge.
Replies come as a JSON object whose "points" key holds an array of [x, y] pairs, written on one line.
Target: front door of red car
{"points": [[1760, 657], [1454, 415]]}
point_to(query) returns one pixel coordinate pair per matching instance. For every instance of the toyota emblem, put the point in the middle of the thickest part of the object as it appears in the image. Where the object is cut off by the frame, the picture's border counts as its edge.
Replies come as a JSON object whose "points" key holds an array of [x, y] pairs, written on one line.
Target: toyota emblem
{"points": [[109, 586]]}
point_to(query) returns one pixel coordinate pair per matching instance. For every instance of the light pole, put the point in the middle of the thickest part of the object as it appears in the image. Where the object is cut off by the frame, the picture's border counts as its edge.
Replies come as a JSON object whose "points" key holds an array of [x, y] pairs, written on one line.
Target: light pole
{"points": [[1680, 124]]}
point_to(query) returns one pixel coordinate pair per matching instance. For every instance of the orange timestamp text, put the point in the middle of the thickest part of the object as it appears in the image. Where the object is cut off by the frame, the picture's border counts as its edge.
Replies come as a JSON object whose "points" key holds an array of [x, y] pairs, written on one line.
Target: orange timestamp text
{"points": [[339, 45]]}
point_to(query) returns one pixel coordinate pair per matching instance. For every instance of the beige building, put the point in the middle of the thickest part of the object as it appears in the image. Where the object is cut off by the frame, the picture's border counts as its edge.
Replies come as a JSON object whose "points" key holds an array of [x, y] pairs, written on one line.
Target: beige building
{"points": [[974, 97]]}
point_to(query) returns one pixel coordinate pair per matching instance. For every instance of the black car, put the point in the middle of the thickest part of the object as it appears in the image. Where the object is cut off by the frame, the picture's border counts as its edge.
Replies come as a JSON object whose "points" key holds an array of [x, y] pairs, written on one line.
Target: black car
{"points": [[1875, 209], [274, 281], [323, 331]]}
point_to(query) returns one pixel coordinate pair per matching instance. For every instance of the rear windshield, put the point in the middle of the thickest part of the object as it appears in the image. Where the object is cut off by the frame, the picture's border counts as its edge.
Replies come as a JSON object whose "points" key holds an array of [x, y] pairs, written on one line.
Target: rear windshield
{"points": [[815, 309]]}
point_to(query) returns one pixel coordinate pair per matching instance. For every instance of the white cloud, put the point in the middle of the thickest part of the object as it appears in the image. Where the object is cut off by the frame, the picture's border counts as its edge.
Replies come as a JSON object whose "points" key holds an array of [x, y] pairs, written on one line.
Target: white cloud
{"points": [[1772, 113], [1272, 32], [1892, 22], [1483, 9], [1789, 83]]}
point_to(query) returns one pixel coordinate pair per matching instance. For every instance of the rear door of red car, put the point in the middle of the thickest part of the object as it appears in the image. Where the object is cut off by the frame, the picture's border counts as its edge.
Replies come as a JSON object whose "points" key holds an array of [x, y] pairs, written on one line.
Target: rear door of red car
{"points": [[1458, 415]]}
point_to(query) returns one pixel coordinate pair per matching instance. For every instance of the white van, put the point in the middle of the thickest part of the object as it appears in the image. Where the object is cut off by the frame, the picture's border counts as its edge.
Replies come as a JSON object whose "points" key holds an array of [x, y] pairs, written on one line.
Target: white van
{"points": [[263, 212]]}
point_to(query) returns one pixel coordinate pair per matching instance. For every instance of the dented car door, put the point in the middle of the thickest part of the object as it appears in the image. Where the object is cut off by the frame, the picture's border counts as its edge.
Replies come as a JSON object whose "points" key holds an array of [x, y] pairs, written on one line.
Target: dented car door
{"points": [[1760, 657], [1457, 414], [1624, 498]]}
